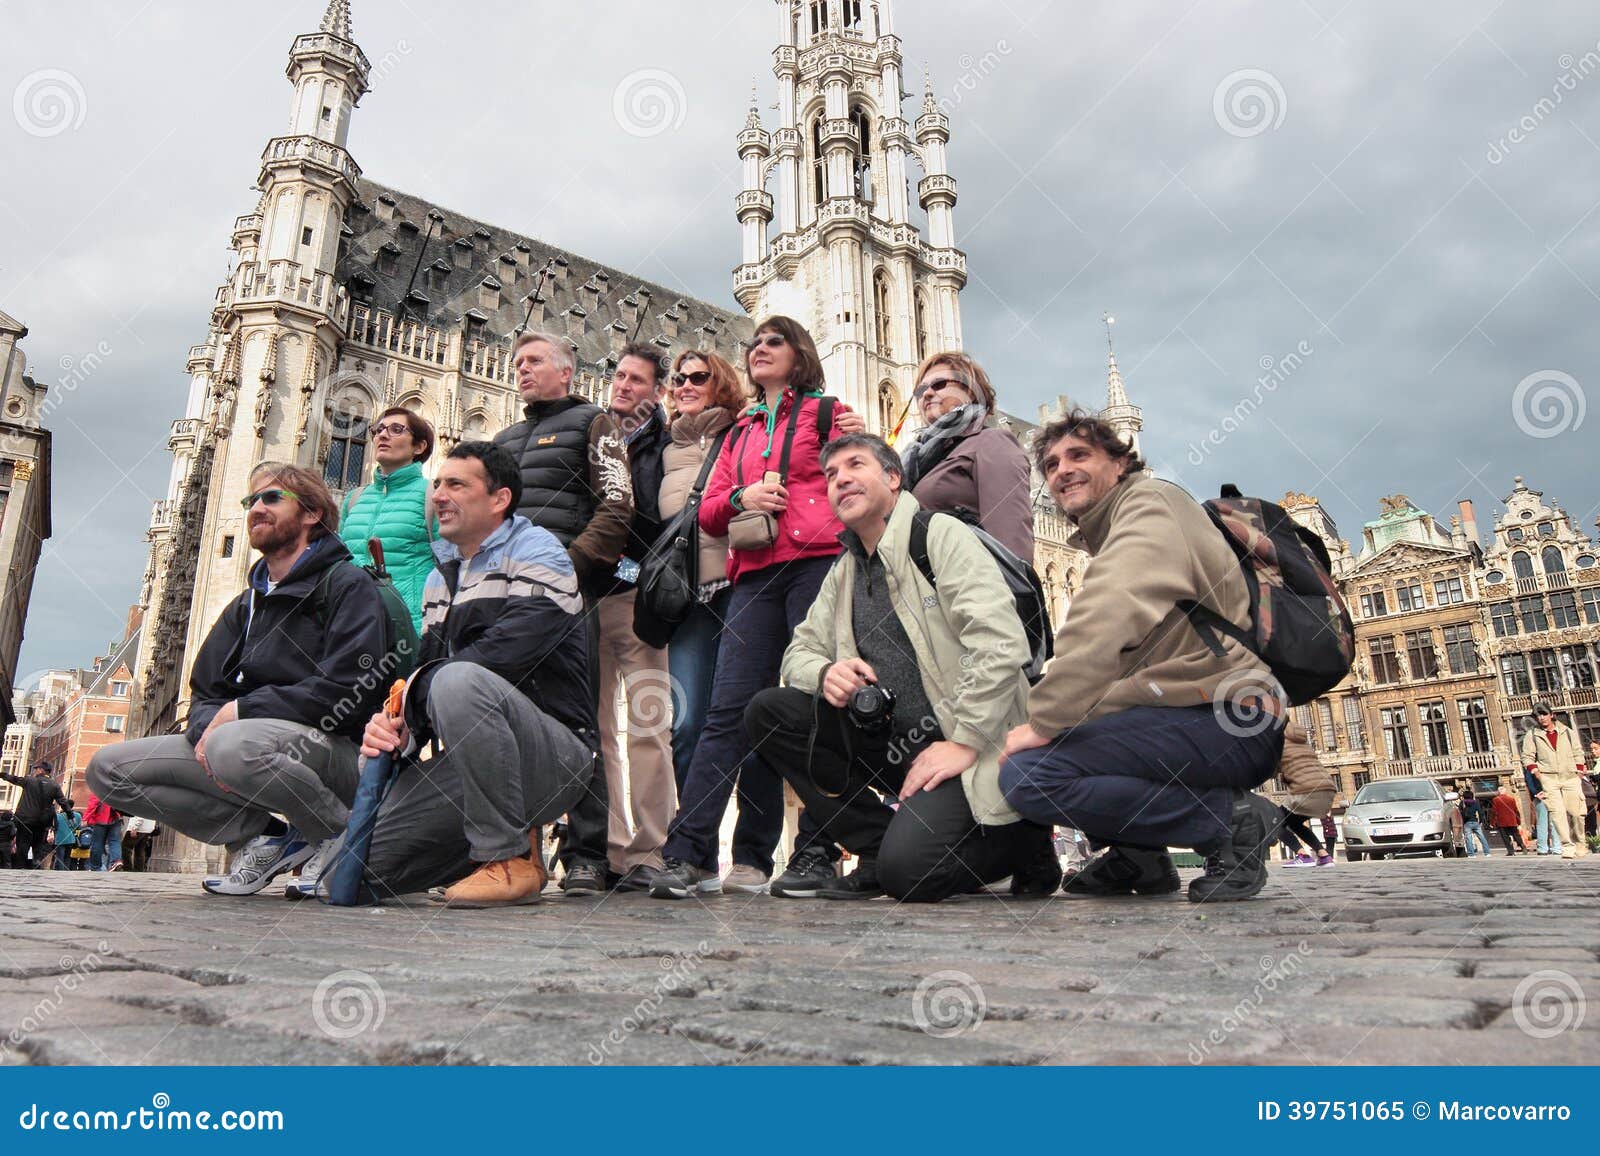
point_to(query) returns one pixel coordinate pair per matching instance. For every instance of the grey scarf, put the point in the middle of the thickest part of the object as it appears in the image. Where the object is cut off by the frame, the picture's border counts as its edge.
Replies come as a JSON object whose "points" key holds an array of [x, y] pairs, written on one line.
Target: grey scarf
{"points": [[933, 442]]}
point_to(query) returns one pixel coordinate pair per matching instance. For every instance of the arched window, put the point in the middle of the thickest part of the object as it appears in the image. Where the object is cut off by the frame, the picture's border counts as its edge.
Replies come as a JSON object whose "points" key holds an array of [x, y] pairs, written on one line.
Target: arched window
{"points": [[881, 310], [1554, 563], [1522, 565], [850, 13], [819, 17], [922, 325], [863, 162], [888, 408], [347, 449], [819, 172]]}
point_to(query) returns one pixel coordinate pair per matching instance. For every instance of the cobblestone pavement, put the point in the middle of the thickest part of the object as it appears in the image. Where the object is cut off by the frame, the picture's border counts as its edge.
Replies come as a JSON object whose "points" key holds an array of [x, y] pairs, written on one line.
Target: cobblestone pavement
{"points": [[1457, 962]]}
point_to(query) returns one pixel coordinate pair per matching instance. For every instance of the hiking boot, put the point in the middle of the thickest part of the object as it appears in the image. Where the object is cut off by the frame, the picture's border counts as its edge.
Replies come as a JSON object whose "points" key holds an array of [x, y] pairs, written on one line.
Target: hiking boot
{"points": [[745, 879], [1310, 786], [1041, 875], [1237, 867], [810, 870], [1125, 871], [584, 878], [638, 878], [862, 883], [259, 862], [679, 880], [513, 882]]}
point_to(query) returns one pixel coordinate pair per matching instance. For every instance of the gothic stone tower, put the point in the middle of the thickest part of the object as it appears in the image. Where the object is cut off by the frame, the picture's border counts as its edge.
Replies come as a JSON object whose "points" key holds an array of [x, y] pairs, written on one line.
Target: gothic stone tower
{"points": [[846, 259]]}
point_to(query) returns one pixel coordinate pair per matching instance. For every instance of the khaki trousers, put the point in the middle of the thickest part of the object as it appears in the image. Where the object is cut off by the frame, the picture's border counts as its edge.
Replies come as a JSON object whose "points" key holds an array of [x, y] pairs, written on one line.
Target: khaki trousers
{"points": [[646, 791], [1564, 797]]}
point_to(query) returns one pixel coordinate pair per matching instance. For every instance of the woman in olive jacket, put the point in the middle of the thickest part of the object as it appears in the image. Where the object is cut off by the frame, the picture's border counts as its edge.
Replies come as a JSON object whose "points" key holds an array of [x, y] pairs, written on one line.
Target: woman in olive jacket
{"points": [[961, 461], [394, 507]]}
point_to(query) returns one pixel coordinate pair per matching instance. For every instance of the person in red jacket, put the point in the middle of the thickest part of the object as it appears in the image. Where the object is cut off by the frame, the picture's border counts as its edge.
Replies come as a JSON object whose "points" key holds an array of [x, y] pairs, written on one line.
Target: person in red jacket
{"points": [[768, 497], [1508, 820], [105, 829]]}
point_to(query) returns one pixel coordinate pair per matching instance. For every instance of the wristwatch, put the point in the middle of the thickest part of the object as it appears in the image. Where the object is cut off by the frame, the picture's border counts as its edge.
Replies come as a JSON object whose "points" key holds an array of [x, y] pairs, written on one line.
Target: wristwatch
{"points": [[736, 499]]}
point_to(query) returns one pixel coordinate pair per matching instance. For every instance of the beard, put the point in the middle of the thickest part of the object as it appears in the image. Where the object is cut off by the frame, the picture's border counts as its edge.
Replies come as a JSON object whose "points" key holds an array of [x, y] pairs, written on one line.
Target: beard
{"points": [[270, 537]]}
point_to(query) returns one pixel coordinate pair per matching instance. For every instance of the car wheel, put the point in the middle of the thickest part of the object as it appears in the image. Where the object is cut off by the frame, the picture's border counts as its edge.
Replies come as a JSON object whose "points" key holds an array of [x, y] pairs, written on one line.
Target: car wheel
{"points": [[1353, 856]]}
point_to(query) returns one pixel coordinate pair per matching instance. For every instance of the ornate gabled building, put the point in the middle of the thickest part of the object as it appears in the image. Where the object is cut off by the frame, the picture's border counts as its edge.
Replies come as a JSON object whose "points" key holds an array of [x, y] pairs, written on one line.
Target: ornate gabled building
{"points": [[846, 257], [1455, 641], [25, 463]]}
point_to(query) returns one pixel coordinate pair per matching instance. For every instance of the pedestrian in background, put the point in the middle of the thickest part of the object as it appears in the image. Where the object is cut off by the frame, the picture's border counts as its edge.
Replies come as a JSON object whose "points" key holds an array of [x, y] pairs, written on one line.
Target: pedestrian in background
{"points": [[1508, 820], [1472, 823]]}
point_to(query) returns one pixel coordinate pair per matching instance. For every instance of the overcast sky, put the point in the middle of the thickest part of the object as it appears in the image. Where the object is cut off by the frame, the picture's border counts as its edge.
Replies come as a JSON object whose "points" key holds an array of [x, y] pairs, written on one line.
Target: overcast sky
{"points": [[1401, 196]]}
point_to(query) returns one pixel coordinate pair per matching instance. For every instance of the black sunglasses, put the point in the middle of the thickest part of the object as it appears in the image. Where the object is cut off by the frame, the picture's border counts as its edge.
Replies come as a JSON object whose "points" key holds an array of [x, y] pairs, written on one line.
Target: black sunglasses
{"points": [[698, 377], [267, 497]]}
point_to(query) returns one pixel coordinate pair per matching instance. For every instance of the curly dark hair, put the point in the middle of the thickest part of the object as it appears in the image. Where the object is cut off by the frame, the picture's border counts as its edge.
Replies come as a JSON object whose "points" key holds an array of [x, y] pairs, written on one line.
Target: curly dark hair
{"points": [[1081, 423]]}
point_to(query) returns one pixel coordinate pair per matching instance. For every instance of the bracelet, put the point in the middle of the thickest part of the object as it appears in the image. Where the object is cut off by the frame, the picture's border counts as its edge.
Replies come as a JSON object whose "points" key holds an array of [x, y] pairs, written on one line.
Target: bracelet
{"points": [[736, 499]]}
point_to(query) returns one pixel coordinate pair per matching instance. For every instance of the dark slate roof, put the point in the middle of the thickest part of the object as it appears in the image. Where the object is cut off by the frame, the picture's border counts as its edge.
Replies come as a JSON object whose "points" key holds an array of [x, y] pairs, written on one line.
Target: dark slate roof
{"points": [[465, 257], [98, 683]]}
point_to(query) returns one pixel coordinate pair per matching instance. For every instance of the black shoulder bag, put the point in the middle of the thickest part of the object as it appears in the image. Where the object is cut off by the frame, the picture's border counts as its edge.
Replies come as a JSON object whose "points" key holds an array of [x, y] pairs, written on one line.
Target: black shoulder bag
{"points": [[669, 577]]}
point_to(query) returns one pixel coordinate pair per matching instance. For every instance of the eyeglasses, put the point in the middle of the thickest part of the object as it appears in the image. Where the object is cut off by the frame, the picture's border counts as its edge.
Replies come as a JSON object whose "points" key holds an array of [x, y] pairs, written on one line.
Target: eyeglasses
{"points": [[394, 428], [770, 340], [698, 377], [267, 497]]}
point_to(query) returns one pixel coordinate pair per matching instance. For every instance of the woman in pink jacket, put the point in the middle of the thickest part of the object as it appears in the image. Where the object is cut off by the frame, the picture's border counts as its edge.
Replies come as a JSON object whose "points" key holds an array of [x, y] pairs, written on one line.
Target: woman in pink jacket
{"points": [[105, 826], [768, 497]]}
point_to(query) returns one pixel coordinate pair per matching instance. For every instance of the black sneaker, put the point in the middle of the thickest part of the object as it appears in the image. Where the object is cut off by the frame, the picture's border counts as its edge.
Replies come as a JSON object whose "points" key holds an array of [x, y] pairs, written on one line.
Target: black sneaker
{"points": [[638, 878], [1041, 875], [862, 883], [1125, 871], [810, 870], [679, 880], [1238, 868], [584, 878]]}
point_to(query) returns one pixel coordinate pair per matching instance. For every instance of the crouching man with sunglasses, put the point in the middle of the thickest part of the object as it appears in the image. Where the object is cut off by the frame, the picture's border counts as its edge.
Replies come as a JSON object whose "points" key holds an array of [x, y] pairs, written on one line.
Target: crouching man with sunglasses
{"points": [[280, 691]]}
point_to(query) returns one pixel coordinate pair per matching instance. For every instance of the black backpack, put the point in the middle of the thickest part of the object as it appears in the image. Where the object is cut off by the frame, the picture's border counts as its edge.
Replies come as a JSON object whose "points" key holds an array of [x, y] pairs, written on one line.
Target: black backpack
{"points": [[1023, 582], [1299, 624], [402, 641]]}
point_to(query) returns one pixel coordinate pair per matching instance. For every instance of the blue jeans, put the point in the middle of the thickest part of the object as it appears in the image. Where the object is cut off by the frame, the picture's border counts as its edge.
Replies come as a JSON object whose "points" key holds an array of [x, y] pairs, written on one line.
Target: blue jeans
{"points": [[1148, 777], [1470, 831], [1545, 834], [762, 615], [692, 663], [106, 847]]}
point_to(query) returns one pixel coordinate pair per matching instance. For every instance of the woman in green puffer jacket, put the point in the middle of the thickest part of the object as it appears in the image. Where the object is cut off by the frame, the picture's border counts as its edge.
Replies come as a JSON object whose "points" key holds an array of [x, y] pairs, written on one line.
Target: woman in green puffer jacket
{"points": [[394, 507]]}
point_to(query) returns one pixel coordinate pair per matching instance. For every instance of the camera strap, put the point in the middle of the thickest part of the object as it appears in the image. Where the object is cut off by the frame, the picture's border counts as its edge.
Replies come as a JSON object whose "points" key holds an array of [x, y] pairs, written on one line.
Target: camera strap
{"points": [[811, 744]]}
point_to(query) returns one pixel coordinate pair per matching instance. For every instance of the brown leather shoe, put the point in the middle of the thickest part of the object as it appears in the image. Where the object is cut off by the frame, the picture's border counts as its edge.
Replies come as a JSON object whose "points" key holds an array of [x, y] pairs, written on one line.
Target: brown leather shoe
{"points": [[503, 883], [1311, 788]]}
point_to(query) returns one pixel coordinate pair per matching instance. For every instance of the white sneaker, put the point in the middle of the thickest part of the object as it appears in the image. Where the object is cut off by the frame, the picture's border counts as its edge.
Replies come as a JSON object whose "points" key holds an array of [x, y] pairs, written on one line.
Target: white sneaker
{"points": [[304, 885], [261, 859]]}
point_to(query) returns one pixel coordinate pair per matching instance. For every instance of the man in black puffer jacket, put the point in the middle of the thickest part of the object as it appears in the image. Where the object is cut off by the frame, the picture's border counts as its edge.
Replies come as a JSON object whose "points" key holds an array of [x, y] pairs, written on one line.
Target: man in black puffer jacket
{"points": [[281, 690], [575, 483], [36, 808]]}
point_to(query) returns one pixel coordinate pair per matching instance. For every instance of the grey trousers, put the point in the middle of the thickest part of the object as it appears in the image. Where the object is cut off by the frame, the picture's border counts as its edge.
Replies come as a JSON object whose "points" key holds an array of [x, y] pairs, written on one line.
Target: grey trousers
{"points": [[506, 768], [258, 768]]}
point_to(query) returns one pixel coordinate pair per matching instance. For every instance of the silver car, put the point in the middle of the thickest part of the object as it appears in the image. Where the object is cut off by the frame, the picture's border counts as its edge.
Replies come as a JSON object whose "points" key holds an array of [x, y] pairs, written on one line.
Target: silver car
{"points": [[1402, 817]]}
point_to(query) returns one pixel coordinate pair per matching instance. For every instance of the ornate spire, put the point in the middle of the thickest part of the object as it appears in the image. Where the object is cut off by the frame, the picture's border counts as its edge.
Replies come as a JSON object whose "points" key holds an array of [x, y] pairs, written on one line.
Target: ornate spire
{"points": [[1116, 392], [1125, 417], [336, 20], [753, 120]]}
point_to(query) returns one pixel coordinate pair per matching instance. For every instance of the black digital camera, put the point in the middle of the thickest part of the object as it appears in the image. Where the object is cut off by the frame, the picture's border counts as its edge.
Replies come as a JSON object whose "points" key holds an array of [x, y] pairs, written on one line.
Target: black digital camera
{"points": [[871, 710]]}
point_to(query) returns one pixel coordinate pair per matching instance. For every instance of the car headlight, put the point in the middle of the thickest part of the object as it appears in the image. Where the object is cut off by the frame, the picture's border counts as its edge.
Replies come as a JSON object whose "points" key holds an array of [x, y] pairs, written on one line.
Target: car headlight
{"points": [[1431, 816]]}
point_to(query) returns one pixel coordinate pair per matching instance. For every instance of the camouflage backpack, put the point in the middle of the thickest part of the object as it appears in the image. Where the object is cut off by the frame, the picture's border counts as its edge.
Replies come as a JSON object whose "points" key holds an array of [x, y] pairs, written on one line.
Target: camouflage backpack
{"points": [[1299, 625]]}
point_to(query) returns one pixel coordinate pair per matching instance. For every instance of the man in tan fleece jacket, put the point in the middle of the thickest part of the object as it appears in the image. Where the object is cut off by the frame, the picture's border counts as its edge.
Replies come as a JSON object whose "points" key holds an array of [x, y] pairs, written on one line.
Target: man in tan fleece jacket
{"points": [[1138, 734]]}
